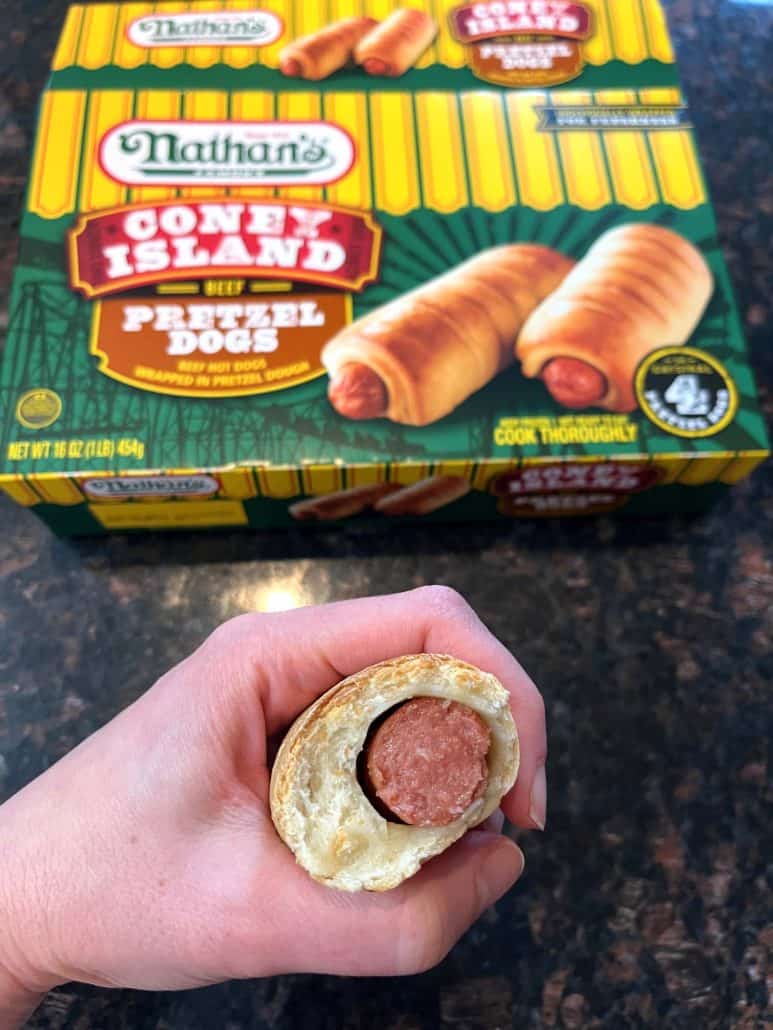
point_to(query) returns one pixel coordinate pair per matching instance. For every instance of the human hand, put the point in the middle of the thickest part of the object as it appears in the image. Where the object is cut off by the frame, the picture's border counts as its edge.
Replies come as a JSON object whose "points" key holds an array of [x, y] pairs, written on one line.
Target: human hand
{"points": [[147, 858]]}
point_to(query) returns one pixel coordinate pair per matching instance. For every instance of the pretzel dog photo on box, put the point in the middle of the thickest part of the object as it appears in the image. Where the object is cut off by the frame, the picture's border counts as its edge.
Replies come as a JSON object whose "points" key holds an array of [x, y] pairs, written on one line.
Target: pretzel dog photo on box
{"points": [[582, 328]]}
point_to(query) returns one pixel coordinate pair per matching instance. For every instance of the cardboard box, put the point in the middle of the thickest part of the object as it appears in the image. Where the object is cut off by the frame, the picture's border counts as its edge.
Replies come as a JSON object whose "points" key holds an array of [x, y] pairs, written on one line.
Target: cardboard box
{"points": [[201, 223]]}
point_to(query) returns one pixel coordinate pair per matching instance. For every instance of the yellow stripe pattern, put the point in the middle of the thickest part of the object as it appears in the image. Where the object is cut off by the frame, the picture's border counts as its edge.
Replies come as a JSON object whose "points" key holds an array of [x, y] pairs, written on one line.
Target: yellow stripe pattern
{"points": [[169, 57], [535, 153], [675, 158], [300, 107], [127, 54], [160, 106], [54, 184], [53, 489], [492, 178], [742, 466], [478, 149], [94, 36], [106, 110], [204, 56], [286, 482], [633, 177], [582, 158], [322, 479], [237, 484], [20, 492]]}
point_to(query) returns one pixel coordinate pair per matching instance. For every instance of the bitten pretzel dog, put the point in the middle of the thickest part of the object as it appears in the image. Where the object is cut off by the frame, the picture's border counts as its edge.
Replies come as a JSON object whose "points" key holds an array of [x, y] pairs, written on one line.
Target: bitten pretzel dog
{"points": [[434, 767], [318, 55], [341, 504], [423, 497], [418, 357], [638, 288], [397, 43]]}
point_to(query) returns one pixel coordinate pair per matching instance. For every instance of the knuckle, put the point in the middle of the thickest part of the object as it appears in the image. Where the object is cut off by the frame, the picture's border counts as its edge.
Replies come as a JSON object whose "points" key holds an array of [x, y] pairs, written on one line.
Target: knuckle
{"points": [[231, 631], [444, 601]]}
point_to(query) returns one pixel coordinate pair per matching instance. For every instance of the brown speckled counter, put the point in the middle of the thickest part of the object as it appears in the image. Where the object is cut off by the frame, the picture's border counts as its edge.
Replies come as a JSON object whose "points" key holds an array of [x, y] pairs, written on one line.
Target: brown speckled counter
{"points": [[646, 903]]}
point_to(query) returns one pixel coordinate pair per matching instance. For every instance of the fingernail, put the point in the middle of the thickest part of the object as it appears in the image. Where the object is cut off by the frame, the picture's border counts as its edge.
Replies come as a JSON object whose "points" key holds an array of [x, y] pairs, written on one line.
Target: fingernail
{"points": [[538, 804]]}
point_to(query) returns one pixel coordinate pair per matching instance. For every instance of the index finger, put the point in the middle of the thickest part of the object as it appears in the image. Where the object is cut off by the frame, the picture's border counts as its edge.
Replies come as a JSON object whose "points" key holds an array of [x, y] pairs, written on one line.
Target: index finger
{"points": [[304, 652]]}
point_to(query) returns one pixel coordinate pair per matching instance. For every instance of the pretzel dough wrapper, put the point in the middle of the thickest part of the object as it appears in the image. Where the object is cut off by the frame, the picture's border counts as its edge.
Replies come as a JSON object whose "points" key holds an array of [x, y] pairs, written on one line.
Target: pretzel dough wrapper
{"points": [[425, 496], [434, 347], [318, 55], [638, 288], [341, 504], [397, 43], [317, 803]]}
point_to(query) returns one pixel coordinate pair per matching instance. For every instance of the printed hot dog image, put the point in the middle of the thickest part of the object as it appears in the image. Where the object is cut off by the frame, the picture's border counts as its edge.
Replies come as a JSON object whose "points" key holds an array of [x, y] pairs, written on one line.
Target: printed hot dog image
{"points": [[390, 767], [341, 504], [397, 43], [318, 55], [420, 356], [406, 243], [639, 287], [423, 497]]}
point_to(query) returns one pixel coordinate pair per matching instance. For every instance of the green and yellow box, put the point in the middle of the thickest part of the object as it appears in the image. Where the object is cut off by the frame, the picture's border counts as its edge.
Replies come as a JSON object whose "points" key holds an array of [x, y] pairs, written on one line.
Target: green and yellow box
{"points": [[286, 262]]}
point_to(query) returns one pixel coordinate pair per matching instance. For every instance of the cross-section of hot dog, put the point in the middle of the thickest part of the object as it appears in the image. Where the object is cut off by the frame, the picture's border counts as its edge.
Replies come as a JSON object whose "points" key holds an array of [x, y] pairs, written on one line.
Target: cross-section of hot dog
{"points": [[432, 348], [397, 43], [318, 55], [438, 791], [638, 288], [426, 763]]}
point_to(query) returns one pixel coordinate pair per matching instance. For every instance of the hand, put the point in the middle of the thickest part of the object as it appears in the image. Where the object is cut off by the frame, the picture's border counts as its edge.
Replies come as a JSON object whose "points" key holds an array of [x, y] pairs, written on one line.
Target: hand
{"points": [[146, 858]]}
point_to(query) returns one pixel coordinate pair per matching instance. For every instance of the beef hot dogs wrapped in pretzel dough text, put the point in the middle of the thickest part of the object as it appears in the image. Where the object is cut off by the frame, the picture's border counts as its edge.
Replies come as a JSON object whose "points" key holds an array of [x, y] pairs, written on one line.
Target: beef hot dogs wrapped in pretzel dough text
{"points": [[318, 55], [417, 358], [319, 806], [638, 288], [397, 43]]}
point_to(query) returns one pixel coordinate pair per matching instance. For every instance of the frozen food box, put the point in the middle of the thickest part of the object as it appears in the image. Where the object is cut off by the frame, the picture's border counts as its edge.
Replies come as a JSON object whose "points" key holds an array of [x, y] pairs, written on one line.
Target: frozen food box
{"points": [[288, 263]]}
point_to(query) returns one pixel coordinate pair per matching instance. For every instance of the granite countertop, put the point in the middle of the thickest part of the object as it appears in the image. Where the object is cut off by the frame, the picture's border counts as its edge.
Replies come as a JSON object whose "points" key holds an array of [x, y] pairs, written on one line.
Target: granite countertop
{"points": [[646, 902]]}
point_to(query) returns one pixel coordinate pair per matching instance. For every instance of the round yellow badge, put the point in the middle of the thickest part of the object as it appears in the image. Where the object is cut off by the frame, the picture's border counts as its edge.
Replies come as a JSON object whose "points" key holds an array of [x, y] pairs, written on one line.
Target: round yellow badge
{"points": [[686, 392], [37, 409]]}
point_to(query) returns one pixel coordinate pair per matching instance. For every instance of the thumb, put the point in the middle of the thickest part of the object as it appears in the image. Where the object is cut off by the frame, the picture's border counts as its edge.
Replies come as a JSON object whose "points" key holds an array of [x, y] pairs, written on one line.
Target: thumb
{"points": [[449, 894], [400, 932]]}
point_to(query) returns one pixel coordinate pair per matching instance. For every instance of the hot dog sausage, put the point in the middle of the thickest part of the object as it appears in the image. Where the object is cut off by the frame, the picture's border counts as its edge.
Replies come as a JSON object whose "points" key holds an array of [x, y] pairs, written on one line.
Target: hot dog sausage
{"points": [[358, 392], [574, 383], [426, 763]]}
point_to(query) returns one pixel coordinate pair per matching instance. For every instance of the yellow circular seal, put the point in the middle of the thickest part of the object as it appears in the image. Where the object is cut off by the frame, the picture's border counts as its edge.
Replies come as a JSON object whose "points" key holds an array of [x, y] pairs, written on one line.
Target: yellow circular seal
{"points": [[37, 409], [686, 392]]}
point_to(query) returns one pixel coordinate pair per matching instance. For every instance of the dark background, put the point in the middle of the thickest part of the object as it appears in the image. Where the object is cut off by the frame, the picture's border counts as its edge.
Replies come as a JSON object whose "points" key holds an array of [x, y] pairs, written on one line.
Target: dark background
{"points": [[647, 903]]}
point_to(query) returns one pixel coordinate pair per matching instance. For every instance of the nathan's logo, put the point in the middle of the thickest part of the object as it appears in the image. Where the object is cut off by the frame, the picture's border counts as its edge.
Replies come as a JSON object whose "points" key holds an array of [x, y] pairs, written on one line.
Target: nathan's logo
{"points": [[114, 487], [523, 42], [222, 28], [116, 250], [226, 153]]}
